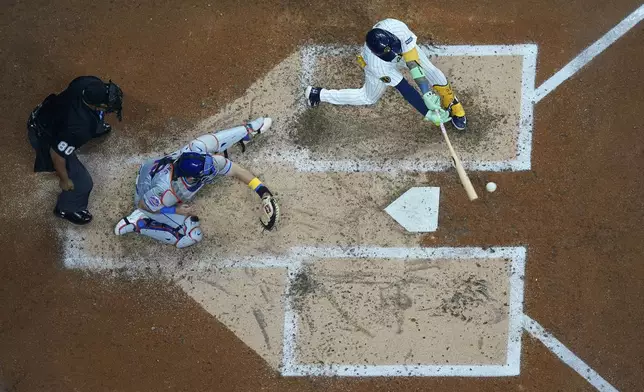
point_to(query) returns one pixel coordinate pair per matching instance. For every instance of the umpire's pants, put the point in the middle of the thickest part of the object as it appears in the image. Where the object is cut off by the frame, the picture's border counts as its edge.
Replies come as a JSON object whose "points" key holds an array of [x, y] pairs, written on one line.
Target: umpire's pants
{"points": [[76, 199]]}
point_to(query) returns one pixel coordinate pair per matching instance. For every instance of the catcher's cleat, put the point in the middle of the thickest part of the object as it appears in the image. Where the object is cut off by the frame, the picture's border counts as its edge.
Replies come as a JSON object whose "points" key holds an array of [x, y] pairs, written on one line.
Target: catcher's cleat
{"points": [[312, 95], [129, 223], [257, 126], [253, 129]]}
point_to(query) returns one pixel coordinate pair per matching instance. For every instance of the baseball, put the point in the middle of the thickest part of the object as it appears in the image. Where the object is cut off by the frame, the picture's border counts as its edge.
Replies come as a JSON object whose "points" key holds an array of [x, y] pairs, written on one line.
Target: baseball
{"points": [[491, 187]]}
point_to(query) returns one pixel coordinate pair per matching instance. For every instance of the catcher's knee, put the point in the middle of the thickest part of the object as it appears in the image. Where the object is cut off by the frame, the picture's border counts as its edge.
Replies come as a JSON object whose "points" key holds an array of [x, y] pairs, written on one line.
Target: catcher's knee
{"points": [[191, 232]]}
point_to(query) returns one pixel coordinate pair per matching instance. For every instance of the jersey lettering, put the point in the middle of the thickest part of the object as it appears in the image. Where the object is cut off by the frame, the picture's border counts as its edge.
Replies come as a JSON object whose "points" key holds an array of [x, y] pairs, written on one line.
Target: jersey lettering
{"points": [[65, 148]]}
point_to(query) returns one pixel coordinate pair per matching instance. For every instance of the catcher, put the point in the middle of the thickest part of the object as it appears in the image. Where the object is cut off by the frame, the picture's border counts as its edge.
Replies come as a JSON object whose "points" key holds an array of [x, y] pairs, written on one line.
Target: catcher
{"points": [[165, 186]]}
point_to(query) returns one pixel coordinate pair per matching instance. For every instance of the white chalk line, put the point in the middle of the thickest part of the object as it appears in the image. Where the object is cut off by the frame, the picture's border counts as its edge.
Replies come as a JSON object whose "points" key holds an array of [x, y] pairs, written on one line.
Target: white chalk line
{"points": [[290, 321], [512, 365], [301, 161], [442, 50], [589, 53], [400, 371], [524, 138], [567, 356], [310, 253], [517, 293]]}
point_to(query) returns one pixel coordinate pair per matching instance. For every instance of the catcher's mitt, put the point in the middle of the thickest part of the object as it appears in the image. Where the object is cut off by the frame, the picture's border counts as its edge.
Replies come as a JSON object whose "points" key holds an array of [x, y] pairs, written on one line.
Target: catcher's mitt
{"points": [[270, 212]]}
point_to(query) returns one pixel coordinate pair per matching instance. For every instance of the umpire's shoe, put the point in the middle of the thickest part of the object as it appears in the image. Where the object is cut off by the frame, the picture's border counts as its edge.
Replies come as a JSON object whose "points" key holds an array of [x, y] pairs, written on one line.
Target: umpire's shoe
{"points": [[312, 95], [78, 218]]}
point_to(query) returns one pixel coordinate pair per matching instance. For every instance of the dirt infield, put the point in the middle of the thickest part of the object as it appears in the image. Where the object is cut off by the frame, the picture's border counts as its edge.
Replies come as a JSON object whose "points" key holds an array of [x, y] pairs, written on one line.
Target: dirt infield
{"points": [[578, 211]]}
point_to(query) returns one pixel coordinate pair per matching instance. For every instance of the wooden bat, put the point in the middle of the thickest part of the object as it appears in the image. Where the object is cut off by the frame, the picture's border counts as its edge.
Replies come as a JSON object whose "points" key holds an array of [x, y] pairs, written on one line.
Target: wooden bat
{"points": [[465, 180]]}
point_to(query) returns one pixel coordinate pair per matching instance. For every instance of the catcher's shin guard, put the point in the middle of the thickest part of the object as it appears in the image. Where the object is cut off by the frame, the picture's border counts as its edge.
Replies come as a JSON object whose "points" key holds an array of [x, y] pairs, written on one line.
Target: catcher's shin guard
{"points": [[450, 103], [187, 234]]}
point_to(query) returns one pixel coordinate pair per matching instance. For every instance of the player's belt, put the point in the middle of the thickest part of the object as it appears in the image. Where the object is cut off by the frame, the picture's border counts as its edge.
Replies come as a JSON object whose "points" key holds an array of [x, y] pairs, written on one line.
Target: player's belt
{"points": [[33, 122]]}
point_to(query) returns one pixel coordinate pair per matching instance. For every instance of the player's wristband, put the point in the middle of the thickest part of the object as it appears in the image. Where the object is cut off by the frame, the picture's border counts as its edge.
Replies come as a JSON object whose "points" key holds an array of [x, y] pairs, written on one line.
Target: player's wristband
{"points": [[417, 72], [256, 185], [168, 210]]}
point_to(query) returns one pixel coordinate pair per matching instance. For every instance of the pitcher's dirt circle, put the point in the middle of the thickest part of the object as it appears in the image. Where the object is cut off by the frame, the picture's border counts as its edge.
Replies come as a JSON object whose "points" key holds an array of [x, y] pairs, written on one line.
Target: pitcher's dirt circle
{"points": [[578, 211]]}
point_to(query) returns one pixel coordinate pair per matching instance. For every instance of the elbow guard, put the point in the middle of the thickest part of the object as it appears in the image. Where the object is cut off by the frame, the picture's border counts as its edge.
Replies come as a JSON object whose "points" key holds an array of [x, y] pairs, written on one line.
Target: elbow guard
{"points": [[412, 96], [411, 55]]}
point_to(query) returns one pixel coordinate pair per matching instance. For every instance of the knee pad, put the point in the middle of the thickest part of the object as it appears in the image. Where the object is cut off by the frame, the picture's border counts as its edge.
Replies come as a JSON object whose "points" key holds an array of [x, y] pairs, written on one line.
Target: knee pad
{"points": [[191, 232], [160, 232]]}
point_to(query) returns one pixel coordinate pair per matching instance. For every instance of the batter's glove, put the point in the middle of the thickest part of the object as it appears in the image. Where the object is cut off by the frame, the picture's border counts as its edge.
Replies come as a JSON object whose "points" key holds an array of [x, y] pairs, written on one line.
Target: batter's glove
{"points": [[270, 212], [438, 117], [432, 101]]}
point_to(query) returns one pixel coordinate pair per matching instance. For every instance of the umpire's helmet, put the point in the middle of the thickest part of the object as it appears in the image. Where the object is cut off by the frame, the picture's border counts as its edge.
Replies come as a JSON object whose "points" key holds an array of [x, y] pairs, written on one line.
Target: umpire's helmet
{"points": [[108, 95], [384, 44], [195, 165]]}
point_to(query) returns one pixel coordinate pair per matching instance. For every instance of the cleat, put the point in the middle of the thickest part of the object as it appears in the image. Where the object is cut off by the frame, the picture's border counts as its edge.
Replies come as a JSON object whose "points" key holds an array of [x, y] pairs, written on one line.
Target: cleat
{"points": [[129, 223], [312, 95], [459, 122], [257, 126], [254, 128], [124, 226], [78, 218]]}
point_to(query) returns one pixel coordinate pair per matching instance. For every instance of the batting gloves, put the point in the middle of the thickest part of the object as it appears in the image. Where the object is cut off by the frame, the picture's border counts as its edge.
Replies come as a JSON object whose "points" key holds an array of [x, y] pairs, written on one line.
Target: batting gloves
{"points": [[432, 101], [438, 117]]}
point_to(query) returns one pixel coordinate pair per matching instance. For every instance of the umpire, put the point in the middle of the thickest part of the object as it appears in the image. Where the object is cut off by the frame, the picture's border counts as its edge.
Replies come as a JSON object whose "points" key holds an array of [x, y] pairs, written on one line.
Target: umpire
{"points": [[59, 126]]}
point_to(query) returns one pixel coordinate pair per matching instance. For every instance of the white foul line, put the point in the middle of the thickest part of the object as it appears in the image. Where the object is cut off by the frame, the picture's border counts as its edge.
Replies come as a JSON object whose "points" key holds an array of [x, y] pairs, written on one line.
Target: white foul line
{"points": [[589, 53], [565, 355]]}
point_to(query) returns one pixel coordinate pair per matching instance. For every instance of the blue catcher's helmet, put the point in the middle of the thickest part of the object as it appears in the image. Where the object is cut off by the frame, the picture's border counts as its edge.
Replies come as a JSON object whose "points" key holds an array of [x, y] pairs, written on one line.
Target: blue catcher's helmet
{"points": [[384, 44], [196, 165]]}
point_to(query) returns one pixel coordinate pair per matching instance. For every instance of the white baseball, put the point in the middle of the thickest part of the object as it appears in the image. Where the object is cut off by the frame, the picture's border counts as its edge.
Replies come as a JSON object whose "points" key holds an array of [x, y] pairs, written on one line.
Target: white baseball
{"points": [[491, 187]]}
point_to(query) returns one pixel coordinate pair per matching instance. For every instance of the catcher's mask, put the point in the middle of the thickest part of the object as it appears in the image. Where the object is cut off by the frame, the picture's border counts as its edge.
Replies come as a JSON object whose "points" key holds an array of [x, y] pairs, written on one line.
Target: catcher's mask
{"points": [[384, 44], [196, 165], [107, 97], [114, 99]]}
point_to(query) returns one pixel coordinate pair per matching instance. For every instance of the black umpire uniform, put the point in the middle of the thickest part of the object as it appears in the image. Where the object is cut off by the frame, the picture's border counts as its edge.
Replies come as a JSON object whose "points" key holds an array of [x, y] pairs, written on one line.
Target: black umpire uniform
{"points": [[64, 122]]}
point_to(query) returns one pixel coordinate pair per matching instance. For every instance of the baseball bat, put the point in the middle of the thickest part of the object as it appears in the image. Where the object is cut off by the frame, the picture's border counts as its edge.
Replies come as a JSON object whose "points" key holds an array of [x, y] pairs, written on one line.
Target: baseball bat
{"points": [[465, 180]]}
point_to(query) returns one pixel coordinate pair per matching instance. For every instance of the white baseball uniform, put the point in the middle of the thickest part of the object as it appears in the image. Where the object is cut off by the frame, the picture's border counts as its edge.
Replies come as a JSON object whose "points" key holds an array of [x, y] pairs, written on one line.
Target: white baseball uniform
{"points": [[379, 73]]}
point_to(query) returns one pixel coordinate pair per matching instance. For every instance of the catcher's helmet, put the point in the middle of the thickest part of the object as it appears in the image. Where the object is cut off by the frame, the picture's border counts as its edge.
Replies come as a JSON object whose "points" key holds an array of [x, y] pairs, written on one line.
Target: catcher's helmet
{"points": [[384, 44], [195, 165]]}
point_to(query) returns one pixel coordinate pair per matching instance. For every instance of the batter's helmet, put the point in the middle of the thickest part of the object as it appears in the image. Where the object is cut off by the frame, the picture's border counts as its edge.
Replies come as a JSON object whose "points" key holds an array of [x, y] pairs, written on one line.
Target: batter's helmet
{"points": [[384, 44], [196, 165]]}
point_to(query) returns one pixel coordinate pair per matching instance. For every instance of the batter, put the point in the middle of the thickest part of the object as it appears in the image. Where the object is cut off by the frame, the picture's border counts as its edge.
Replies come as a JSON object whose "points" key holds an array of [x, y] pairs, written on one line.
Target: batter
{"points": [[391, 45]]}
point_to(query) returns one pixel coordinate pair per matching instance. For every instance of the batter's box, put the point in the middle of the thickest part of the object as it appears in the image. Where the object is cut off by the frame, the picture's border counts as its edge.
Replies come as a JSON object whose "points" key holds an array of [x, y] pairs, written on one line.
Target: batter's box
{"points": [[404, 312], [495, 83]]}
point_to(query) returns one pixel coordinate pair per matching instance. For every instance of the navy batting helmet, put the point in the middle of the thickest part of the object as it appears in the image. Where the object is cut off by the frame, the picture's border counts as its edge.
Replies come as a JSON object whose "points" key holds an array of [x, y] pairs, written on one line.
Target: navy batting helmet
{"points": [[196, 165], [384, 44]]}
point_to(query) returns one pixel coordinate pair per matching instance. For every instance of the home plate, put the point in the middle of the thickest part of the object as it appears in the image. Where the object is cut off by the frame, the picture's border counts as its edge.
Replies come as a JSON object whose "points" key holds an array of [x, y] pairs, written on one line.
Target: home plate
{"points": [[417, 209]]}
